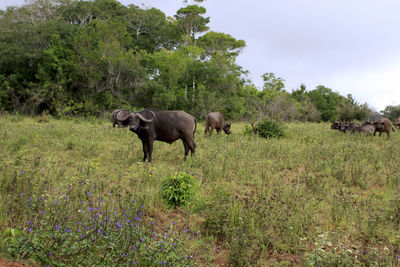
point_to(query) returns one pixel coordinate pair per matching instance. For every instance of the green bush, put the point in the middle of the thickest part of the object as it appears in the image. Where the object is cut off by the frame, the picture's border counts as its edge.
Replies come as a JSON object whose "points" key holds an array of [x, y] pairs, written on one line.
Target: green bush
{"points": [[267, 128], [178, 190]]}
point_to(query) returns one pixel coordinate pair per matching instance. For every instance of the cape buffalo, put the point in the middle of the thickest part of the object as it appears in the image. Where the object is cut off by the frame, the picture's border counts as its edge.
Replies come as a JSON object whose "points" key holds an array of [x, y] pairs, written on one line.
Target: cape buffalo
{"points": [[162, 125], [117, 115], [216, 120], [397, 123], [348, 126], [383, 125], [336, 125], [367, 127]]}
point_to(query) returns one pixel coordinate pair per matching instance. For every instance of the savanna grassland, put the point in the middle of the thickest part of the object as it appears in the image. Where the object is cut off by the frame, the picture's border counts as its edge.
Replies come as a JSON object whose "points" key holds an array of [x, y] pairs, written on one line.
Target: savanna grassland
{"points": [[315, 197]]}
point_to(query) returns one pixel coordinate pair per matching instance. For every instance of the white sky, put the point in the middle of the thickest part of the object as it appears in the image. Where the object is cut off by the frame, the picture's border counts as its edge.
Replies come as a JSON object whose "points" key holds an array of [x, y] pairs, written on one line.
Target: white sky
{"points": [[352, 47]]}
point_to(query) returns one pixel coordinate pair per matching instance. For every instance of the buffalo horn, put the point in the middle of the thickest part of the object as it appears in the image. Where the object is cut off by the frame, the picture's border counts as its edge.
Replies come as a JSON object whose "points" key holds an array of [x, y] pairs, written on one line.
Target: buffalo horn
{"points": [[144, 119], [124, 118]]}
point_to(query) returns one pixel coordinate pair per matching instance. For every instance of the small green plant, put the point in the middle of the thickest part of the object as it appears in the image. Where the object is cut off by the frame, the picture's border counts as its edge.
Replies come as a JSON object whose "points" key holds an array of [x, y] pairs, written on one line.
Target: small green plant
{"points": [[267, 128], [178, 190]]}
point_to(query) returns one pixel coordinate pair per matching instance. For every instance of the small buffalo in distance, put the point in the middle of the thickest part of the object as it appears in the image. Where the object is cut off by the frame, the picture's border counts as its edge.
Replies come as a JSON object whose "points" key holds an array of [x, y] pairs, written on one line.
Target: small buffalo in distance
{"points": [[397, 123], [162, 125], [117, 116], [367, 128], [383, 125], [215, 120], [336, 125], [343, 126], [348, 126]]}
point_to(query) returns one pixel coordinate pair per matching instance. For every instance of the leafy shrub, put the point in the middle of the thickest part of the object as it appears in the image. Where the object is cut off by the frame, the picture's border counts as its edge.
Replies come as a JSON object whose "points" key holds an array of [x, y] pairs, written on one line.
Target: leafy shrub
{"points": [[178, 190], [267, 128]]}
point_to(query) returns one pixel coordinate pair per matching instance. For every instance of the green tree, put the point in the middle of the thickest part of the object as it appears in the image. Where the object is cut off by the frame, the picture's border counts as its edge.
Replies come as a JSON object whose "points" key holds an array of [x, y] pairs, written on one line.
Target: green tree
{"points": [[391, 112], [214, 42], [326, 101], [190, 21], [272, 83]]}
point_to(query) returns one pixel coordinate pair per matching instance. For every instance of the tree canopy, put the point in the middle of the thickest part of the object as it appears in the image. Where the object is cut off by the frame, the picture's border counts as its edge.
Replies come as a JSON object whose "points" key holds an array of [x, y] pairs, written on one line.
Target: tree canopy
{"points": [[71, 57]]}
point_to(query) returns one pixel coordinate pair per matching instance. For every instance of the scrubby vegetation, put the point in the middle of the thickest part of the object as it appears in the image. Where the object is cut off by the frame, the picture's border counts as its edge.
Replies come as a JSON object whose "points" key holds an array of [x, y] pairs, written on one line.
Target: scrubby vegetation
{"points": [[90, 57], [315, 196]]}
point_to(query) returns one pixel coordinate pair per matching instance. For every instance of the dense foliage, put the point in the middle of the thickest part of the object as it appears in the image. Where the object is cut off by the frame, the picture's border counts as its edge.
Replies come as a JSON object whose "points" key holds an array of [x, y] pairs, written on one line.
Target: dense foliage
{"points": [[178, 189], [89, 57], [267, 128]]}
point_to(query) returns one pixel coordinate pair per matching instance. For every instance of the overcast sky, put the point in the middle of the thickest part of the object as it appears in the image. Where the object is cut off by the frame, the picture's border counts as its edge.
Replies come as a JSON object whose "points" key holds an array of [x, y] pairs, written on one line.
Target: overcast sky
{"points": [[352, 47]]}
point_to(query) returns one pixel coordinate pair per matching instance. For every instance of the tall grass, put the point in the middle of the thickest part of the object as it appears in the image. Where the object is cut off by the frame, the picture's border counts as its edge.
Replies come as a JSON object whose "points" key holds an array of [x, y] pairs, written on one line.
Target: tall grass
{"points": [[314, 197]]}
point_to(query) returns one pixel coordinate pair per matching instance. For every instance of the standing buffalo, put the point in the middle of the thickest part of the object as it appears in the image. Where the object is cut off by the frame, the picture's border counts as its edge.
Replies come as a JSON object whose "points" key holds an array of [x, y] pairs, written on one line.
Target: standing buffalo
{"points": [[117, 116], [348, 126], [162, 125], [397, 123], [336, 125], [383, 125], [367, 127], [216, 120]]}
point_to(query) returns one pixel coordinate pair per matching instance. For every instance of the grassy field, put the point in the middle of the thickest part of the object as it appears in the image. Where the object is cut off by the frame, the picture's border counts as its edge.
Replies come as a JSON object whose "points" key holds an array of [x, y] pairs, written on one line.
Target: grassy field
{"points": [[314, 198]]}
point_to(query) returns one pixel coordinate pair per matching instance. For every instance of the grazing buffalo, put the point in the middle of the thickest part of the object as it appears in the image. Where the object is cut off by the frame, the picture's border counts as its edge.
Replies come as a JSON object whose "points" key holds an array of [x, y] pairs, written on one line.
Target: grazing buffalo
{"points": [[348, 126], [336, 125], [367, 127], [117, 116], [215, 120], [397, 123], [383, 125], [162, 125]]}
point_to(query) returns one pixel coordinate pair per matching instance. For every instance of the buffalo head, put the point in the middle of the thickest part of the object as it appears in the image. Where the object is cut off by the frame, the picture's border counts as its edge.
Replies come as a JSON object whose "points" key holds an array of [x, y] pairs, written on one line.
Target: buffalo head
{"points": [[336, 125], [227, 128], [137, 121], [379, 125]]}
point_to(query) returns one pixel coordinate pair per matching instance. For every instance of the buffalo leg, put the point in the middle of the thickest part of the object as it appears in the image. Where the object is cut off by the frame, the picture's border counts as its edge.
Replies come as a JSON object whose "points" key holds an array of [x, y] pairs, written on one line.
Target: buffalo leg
{"points": [[219, 130], [212, 130], [150, 148], [206, 129], [192, 146], [145, 151], [186, 146]]}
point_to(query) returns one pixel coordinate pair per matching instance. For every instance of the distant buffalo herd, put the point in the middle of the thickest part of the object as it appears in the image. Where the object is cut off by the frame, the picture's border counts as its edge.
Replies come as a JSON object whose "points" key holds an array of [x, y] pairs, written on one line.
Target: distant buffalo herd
{"points": [[166, 126], [382, 125]]}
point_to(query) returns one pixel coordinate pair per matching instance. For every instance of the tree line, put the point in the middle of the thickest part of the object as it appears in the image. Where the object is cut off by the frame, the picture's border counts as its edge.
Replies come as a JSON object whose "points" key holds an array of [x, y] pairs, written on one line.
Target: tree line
{"points": [[69, 57]]}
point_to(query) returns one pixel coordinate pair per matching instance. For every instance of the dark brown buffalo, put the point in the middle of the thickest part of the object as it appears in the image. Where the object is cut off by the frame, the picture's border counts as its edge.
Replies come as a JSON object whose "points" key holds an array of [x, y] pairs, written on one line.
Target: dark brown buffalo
{"points": [[215, 120], [117, 115], [162, 125], [367, 127], [397, 123], [383, 125], [348, 126], [336, 125]]}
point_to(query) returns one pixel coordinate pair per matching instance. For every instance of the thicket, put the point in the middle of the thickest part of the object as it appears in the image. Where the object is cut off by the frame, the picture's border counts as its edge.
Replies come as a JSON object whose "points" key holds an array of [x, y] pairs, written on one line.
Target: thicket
{"points": [[90, 57]]}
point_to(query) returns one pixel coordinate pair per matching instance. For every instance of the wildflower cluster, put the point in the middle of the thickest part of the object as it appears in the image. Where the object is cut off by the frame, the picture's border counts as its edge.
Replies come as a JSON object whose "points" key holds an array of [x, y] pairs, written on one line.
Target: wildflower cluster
{"points": [[90, 228]]}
